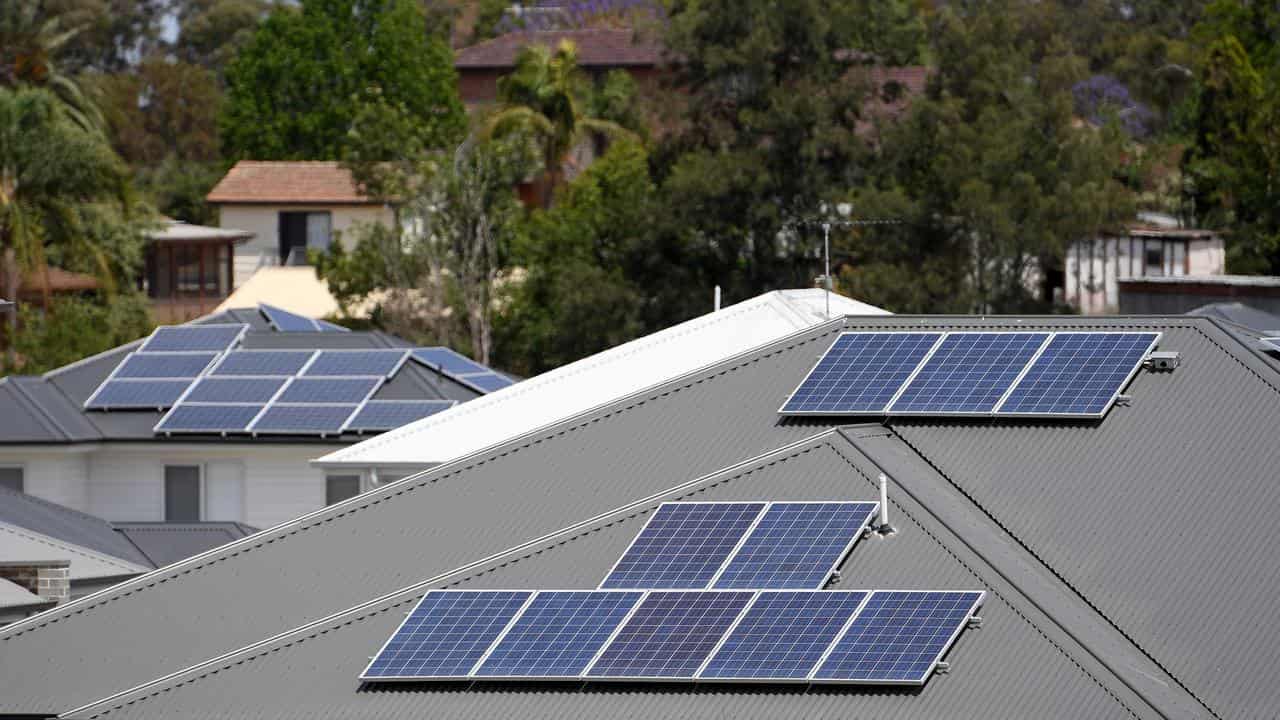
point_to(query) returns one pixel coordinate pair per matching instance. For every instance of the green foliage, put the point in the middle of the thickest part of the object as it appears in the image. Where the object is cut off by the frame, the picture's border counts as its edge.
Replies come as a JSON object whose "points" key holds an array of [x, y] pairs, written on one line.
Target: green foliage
{"points": [[73, 328], [163, 109], [295, 90], [488, 14], [576, 298], [211, 32]]}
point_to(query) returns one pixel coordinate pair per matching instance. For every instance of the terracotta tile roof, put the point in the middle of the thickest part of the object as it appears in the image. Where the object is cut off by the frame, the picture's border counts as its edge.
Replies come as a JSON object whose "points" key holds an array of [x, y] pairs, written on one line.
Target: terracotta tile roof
{"points": [[292, 181], [597, 47]]}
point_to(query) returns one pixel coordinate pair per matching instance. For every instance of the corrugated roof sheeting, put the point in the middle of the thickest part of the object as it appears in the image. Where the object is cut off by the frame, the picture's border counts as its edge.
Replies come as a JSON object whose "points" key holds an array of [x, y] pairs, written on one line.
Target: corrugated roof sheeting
{"points": [[67, 525], [392, 537], [313, 674], [1155, 514]]}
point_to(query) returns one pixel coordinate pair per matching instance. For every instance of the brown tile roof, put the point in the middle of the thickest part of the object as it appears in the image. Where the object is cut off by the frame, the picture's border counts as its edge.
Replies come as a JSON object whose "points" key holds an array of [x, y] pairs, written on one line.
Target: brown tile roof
{"points": [[597, 47], [288, 182]]}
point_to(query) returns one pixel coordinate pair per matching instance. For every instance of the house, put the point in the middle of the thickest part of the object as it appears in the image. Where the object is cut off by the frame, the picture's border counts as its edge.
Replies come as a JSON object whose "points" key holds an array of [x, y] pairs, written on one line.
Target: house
{"points": [[95, 436], [1154, 247], [77, 554], [591, 381], [1124, 558], [289, 207], [190, 269]]}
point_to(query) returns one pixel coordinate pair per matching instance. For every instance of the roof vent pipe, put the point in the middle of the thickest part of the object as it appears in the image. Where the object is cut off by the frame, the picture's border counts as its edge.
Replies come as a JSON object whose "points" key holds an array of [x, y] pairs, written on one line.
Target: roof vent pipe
{"points": [[717, 298], [884, 527]]}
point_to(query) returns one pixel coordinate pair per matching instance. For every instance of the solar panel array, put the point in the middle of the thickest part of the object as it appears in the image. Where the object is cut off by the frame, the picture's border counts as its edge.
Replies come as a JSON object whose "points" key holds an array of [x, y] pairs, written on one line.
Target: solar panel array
{"points": [[163, 367], [290, 392], [285, 321], [461, 368], [1010, 373], [848, 636], [690, 545]]}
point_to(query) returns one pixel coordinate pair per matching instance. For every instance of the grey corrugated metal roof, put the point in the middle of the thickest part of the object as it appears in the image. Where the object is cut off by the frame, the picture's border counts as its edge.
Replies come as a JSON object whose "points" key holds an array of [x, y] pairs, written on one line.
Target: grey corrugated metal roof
{"points": [[310, 674], [165, 543], [1065, 506], [68, 525], [1260, 322]]}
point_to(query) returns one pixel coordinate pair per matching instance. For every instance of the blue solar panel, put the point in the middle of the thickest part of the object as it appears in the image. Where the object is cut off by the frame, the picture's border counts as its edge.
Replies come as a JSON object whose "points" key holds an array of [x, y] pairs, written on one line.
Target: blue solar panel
{"points": [[683, 545], [208, 418], [184, 338], [1078, 374], [487, 382], [558, 634], [285, 321], [234, 389], [356, 362], [898, 637], [326, 326], [783, 635], [164, 365], [446, 360], [303, 419], [796, 545], [138, 394], [391, 414], [670, 634], [282, 363], [969, 373], [329, 390], [446, 634], [860, 373]]}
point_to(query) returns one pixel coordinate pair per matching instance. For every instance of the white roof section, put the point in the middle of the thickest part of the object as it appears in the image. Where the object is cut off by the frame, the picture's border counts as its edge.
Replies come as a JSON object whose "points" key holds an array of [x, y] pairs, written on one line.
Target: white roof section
{"points": [[596, 380], [12, 595], [19, 544], [296, 289]]}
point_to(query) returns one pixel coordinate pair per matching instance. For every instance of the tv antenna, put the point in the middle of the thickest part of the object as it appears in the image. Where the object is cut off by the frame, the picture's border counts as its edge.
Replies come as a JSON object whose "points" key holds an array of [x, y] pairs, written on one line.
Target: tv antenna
{"points": [[826, 223]]}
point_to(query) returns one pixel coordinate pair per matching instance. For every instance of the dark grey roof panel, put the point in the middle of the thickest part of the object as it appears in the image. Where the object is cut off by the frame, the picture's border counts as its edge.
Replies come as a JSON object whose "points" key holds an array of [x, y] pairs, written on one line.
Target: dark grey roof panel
{"points": [[65, 524], [23, 419], [166, 543], [329, 341], [1259, 321], [251, 316], [311, 674], [375, 543]]}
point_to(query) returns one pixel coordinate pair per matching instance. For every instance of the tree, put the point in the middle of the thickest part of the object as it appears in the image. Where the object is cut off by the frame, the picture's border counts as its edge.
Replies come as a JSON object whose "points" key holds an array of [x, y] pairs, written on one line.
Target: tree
{"points": [[295, 89], [112, 34], [30, 45], [211, 32], [73, 328], [543, 99]]}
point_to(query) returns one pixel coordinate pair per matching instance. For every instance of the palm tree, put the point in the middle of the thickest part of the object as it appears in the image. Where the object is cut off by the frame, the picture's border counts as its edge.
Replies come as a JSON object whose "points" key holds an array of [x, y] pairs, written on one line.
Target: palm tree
{"points": [[28, 45], [543, 98]]}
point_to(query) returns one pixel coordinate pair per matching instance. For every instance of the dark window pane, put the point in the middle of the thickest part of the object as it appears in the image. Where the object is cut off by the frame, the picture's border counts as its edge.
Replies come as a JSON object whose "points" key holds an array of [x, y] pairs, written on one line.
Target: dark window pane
{"points": [[11, 477], [181, 493], [340, 487]]}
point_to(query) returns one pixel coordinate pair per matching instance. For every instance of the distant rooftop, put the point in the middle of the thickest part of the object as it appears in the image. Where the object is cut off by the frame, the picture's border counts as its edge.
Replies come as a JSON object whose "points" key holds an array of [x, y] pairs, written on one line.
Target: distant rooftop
{"points": [[288, 182], [178, 231], [597, 48]]}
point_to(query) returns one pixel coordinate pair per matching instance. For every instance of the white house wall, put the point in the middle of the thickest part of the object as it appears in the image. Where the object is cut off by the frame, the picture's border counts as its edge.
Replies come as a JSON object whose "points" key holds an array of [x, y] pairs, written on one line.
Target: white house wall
{"points": [[55, 475], [1094, 267], [263, 221]]}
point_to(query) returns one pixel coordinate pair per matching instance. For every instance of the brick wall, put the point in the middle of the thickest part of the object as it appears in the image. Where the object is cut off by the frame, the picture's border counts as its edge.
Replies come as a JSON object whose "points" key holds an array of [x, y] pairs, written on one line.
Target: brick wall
{"points": [[50, 579]]}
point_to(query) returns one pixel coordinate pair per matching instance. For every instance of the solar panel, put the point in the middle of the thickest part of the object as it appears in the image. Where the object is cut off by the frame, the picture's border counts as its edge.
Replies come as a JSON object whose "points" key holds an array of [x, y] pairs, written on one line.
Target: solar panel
{"points": [[486, 382], [234, 389], [137, 394], [282, 363], [783, 635], [164, 365], [1078, 373], [391, 414], [683, 545], [449, 361], [326, 326], [188, 338], [303, 419], [356, 362], [329, 390], [898, 637], [968, 373], [860, 373], [796, 545], [558, 634], [669, 635], [446, 634], [285, 321], [208, 418]]}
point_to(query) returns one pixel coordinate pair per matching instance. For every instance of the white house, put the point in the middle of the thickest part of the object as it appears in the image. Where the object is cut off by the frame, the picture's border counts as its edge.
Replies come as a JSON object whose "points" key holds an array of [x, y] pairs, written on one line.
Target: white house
{"points": [[290, 207]]}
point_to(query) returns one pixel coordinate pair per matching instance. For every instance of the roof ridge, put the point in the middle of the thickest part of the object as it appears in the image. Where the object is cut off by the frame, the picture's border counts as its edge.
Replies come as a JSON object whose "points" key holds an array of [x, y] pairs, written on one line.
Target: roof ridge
{"points": [[70, 547]]}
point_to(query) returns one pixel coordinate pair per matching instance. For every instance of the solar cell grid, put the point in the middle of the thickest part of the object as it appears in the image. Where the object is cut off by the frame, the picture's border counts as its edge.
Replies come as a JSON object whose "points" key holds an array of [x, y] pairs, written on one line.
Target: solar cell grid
{"points": [[783, 635], [796, 545], [355, 362], [558, 634], [285, 321], [303, 419], [446, 634], [683, 545], [234, 389], [137, 394], [486, 382], [669, 635], [208, 418], [391, 414], [164, 365], [187, 338], [283, 363], [329, 390], [446, 360], [860, 373], [968, 373], [1078, 373], [898, 637]]}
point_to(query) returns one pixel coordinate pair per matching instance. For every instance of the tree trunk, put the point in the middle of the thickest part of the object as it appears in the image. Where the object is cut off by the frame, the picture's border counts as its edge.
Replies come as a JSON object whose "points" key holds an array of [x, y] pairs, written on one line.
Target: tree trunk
{"points": [[12, 279]]}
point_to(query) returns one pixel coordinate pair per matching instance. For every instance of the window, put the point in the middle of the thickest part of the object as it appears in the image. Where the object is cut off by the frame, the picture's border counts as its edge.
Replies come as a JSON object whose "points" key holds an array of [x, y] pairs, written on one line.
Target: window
{"points": [[1154, 260], [11, 477], [182, 493], [340, 487], [302, 231]]}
